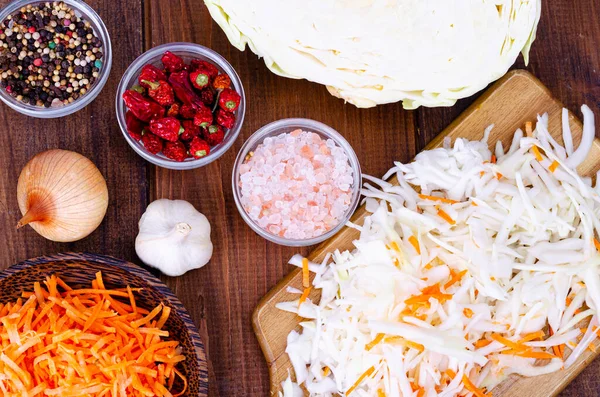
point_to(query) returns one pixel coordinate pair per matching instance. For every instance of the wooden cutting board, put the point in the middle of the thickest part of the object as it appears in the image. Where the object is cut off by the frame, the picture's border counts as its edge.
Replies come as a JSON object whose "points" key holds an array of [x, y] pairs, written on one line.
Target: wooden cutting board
{"points": [[516, 98]]}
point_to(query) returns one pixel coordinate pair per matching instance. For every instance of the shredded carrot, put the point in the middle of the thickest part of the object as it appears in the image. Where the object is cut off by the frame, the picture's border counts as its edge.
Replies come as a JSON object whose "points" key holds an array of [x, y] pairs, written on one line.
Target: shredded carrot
{"points": [[477, 392], [442, 214], [493, 160], [507, 342], [553, 166], [451, 374], [532, 336], [529, 354], [481, 173], [592, 348], [304, 296], [96, 342], [380, 393], [421, 392], [305, 273], [374, 342], [499, 175], [454, 278], [536, 153], [435, 198], [597, 244], [326, 371], [482, 343], [468, 312], [360, 379], [394, 246], [415, 243]]}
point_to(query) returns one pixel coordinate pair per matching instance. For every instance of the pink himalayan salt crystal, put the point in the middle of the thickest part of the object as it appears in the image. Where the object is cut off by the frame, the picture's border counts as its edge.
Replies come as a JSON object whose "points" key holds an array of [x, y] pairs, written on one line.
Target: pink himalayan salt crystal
{"points": [[297, 185]]}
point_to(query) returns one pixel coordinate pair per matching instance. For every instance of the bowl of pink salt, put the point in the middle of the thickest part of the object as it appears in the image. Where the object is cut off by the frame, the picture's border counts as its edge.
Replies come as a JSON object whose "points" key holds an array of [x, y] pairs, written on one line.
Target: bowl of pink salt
{"points": [[296, 182]]}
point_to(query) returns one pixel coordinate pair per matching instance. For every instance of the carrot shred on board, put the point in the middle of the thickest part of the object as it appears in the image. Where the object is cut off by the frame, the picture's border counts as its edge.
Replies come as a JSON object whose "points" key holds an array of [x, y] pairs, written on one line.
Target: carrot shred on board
{"points": [[374, 342], [472, 388], [597, 244], [482, 343], [493, 160], [455, 277], [553, 166], [415, 243], [360, 379], [532, 336], [62, 341], [435, 198], [444, 215], [305, 273], [304, 296]]}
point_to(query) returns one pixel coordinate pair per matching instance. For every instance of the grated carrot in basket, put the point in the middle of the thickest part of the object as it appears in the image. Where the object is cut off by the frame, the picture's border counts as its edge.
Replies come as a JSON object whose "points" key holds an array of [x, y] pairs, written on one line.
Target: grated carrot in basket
{"points": [[60, 341]]}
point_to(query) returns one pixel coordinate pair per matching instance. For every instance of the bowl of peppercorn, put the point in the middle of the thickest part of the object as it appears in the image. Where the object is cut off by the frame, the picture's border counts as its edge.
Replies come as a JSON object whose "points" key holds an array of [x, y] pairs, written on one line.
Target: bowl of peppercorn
{"points": [[55, 57], [180, 105]]}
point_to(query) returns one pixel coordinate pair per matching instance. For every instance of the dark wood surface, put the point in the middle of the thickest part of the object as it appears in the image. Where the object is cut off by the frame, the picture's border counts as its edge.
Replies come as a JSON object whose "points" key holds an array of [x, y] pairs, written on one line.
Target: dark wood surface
{"points": [[221, 296]]}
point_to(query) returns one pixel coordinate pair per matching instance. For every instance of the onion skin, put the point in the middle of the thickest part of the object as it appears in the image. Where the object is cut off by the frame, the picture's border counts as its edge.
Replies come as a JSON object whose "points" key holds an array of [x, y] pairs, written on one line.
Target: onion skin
{"points": [[62, 195]]}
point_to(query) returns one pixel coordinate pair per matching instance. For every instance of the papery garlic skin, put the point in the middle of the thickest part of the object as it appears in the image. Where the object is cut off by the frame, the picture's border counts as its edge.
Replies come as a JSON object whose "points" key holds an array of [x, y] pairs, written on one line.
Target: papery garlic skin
{"points": [[62, 195], [174, 237]]}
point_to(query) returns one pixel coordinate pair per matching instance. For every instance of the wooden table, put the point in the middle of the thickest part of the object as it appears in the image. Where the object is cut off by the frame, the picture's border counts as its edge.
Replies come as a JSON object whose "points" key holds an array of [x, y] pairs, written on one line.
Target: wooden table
{"points": [[221, 296]]}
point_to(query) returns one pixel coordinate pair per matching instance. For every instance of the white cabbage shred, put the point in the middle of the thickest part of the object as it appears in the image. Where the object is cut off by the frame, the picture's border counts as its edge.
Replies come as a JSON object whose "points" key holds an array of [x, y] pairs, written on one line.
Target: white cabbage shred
{"points": [[473, 267], [369, 52]]}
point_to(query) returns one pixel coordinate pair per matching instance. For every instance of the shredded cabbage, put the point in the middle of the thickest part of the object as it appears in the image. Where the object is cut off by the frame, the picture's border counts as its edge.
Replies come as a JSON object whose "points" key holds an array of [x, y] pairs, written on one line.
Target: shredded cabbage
{"points": [[473, 267]]}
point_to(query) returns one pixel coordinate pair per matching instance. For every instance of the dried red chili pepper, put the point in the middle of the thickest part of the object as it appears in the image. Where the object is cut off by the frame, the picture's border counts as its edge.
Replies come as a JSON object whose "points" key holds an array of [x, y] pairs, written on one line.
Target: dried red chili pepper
{"points": [[199, 148], [207, 96], [134, 125], [225, 119], [168, 128], [143, 108], [161, 92], [175, 151], [200, 78], [212, 69], [151, 142], [189, 130], [183, 89], [151, 73], [214, 134], [188, 111], [229, 100], [204, 117], [173, 110], [172, 62], [221, 82]]}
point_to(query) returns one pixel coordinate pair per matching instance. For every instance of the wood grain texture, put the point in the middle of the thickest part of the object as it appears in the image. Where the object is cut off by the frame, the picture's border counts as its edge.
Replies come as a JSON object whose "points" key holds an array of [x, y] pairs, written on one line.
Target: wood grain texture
{"points": [[222, 296], [93, 132], [503, 105]]}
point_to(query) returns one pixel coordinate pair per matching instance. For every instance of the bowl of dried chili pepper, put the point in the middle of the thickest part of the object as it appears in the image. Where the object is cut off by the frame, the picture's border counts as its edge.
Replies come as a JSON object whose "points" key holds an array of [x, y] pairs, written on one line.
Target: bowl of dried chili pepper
{"points": [[180, 105]]}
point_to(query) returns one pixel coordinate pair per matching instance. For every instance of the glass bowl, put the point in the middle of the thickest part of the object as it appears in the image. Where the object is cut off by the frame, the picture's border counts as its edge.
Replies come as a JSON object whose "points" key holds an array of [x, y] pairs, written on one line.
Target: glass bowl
{"points": [[284, 126], [87, 13], [187, 51]]}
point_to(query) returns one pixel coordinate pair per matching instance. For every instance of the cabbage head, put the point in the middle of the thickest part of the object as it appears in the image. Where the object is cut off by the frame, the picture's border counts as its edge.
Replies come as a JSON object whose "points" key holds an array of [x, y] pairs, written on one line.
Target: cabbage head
{"points": [[369, 52]]}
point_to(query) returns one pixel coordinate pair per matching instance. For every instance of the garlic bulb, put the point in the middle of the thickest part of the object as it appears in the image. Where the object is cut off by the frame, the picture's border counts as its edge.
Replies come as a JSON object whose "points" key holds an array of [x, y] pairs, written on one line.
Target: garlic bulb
{"points": [[174, 237], [62, 195]]}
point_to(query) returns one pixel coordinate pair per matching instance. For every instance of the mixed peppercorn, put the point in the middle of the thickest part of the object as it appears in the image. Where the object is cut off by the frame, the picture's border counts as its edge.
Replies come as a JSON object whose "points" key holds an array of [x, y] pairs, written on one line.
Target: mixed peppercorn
{"points": [[181, 110], [49, 56]]}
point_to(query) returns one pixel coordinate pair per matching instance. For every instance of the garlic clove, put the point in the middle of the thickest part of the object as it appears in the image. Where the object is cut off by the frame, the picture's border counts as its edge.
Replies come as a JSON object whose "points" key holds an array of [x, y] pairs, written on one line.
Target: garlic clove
{"points": [[62, 195], [174, 237]]}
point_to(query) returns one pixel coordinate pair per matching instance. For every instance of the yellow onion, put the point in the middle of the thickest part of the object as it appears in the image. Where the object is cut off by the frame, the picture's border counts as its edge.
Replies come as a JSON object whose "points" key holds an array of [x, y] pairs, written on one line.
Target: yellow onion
{"points": [[62, 195]]}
